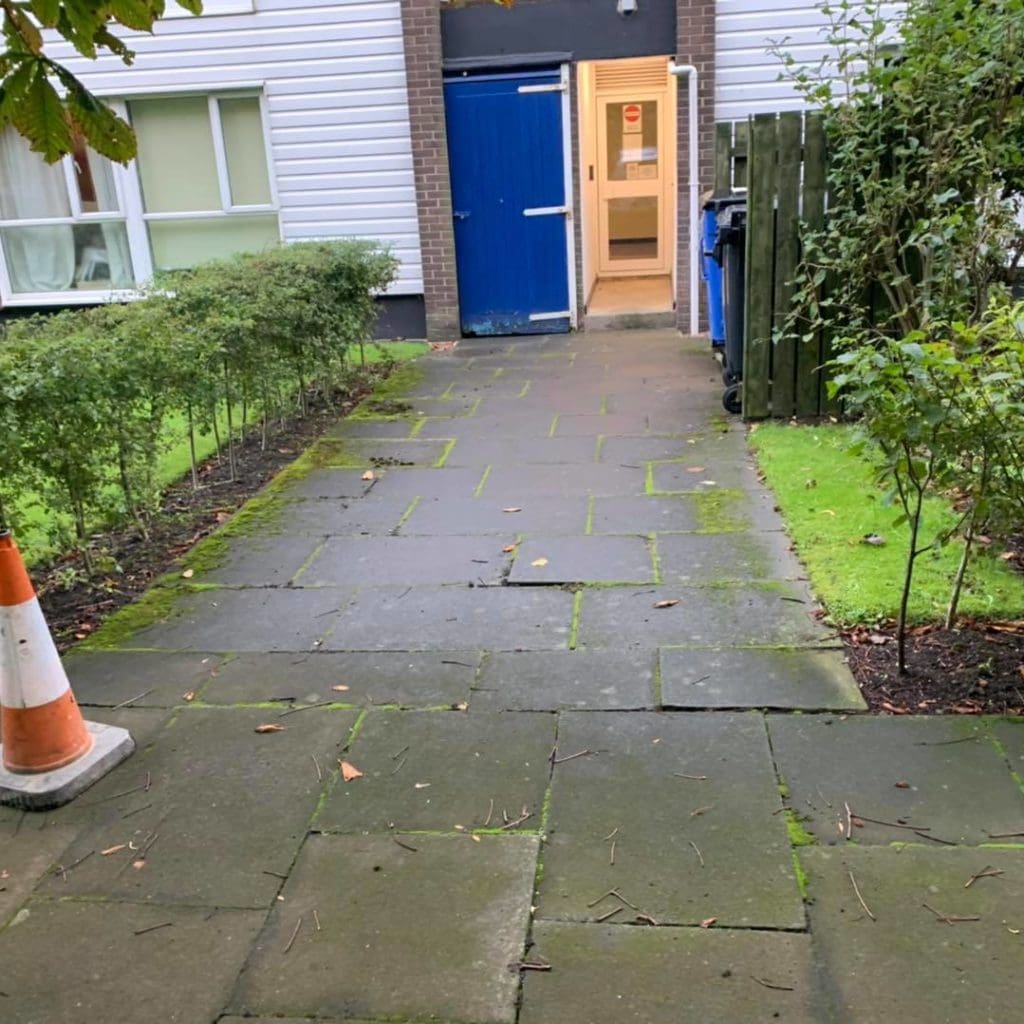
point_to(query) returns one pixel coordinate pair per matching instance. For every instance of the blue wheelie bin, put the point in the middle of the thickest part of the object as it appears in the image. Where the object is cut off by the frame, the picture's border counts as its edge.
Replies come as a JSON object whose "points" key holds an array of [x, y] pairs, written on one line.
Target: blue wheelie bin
{"points": [[730, 253], [712, 273]]}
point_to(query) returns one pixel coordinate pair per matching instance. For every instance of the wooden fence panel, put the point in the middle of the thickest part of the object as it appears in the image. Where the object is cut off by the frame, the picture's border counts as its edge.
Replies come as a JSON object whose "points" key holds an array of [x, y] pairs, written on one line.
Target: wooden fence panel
{"points": [[723, 158], [787, 258], [760, 262], [808, 358]]}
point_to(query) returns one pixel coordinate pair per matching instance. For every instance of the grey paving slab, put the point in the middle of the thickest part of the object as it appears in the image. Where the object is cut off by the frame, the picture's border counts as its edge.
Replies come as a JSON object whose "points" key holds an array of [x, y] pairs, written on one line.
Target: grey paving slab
{"points": [[593, 426], [747, 678], [569, 402], [739, 555], [941, 775], [328, 517], [110, 967], [511, 451], [449, 484], [327, 483], [25, 857], [266, 560], [729, 615], [515, 483], [582, 559], [1009, 734], [643, 514], [154, 678], [380, 452], [229, 808], [444, 408], [393, 941], [371, 677], [245, 620], [632, 783], [907, 964], [377, 429], [442, 769], [413, 561], [556, 680], [606, 974], [450, 618], [530, 423], [641, 449], [680, 478], [486, 515]]}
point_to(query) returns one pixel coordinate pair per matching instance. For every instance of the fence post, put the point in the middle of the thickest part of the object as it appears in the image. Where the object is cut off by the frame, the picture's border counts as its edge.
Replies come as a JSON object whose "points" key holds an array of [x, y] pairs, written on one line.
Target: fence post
{"points": [[787, 256], [808, 357], [723, 158], [757, 347]]}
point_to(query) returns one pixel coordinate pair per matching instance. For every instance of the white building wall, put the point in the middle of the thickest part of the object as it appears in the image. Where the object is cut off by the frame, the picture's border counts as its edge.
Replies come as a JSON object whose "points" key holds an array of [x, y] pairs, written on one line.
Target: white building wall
{"points": [[747, 72], [333, 72]]}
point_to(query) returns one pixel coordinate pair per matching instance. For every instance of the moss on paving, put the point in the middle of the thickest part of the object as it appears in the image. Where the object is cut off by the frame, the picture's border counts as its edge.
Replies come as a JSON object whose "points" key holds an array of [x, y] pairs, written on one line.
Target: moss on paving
{"points": [[156, 605], [718, 511], [798, 835], [830, 502]]}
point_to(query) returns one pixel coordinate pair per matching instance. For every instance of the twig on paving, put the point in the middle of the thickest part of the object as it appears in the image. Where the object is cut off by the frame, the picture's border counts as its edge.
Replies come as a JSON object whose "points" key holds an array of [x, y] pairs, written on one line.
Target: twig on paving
{"points": [[601, 899], [934, 839], [128, 814], [772, 985], [860, 899], [608, 914], [316, 920], [149, 781], [571, 757], [305, 707], [694, 778], [464, 664], [490, 811], [611, 856], [698, 811], [132, 700], [398, 754], [529, 965], [523, 815], [948, 918], [1005, 835], [154, 927], [696, 849], [142, 787], [291, 941], [397, 768], [849, 820], [406, 846], [946, 743], [316, 765], [618, 895], [63, 871], [986, 872], [647, 919], [611, 834], [274, 874], [893, 824]]}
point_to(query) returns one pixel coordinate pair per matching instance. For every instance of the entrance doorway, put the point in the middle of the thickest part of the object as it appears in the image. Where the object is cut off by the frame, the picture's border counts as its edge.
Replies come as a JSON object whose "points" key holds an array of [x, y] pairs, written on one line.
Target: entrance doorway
{"points": [[628, 151]]}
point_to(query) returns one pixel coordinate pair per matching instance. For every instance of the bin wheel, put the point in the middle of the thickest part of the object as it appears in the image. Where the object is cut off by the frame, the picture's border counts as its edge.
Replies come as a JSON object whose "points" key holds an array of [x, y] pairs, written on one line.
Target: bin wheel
{"points": [[731, 399]]}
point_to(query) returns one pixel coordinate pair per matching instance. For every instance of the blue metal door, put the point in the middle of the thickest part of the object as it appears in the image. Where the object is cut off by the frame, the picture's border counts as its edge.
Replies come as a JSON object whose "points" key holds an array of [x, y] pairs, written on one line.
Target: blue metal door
{"points": [[508, 199]]}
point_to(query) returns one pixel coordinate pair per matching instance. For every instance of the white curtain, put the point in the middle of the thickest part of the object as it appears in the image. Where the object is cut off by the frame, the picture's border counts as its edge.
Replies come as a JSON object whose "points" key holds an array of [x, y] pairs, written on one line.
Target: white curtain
{"points": [[39, 259], [115, 238]]}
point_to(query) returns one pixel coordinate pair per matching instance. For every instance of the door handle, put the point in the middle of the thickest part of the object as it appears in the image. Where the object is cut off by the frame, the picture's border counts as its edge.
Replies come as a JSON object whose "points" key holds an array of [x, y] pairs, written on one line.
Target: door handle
{"points": [[460, 214]]}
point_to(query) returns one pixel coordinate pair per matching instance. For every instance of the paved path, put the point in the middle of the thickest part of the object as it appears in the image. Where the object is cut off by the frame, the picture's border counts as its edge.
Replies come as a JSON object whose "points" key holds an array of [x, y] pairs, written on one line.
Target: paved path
{"points": [[561, 635]]}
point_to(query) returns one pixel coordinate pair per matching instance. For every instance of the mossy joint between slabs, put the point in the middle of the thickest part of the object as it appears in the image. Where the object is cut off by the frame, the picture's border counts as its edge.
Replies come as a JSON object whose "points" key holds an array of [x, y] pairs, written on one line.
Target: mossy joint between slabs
{"points": [[598, 447], [479, 489], [554, 424], [310, 559], [334, 774], [588, 528], [651, 540], [404, 517], [1001, 750], [156, 605], [574, 626], [443, 458]]}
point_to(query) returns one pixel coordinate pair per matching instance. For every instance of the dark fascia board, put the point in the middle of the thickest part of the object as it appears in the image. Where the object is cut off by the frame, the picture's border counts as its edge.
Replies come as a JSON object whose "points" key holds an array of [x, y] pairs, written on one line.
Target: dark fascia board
{"points": [[505, 60]]}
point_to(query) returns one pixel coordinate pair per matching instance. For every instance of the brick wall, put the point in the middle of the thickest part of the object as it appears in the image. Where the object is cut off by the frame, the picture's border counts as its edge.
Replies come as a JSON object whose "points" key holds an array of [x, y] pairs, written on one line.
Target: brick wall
{"points": [[421, 26], [695, 31]]}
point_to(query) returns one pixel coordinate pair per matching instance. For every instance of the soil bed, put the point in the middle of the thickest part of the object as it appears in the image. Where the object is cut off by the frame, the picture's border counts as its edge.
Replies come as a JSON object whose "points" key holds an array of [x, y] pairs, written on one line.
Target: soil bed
{"points": [[975, 669], [75, 606]]}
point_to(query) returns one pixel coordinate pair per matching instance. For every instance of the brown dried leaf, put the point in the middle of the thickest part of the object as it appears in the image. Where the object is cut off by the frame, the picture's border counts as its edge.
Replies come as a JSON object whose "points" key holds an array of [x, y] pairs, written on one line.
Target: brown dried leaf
{"points": [[461, 706], [509, 548], [669, 602], [188, 696], [694, 469], [112, 849], [340, 688], [512, 508], [139, 864], [270, 727], [902, 785], [368, 475], [539, 562], [349, 771], [708, 922]]}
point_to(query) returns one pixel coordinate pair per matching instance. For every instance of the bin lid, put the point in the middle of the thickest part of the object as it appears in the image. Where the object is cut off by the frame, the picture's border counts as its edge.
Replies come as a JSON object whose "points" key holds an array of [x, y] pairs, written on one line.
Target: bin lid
{"points": [[720, 203]]}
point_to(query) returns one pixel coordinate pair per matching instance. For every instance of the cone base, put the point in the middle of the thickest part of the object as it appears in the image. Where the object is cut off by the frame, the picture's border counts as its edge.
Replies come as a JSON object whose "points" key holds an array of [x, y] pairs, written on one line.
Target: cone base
{"points": [[46, 790]]}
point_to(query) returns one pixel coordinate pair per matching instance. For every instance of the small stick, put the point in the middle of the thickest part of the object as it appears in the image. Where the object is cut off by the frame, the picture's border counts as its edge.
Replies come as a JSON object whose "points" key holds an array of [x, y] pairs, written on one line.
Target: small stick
{"points": [[894, 824], [530, 965], [608, 913], [274, 874], [114, 796], [154, 927], [63, 871], [132, 700], [490, 811], [398, 767], [464, 664], [305, 707], [697, 812], [1005, 835], [298, 925], [128, 814], [948, 918], [601, 899], [610, 834], [849, 821], [823, 797], [696, 850], [985, 872], [695, 778], [570, 757], [618, 895], [860, 899], [934, 839], [316, 765], [611, 858], [395, 757], [316, 920], [768, 984], [524, 814], [647, 919], [149, 779], [946, 743], [406, 846]]}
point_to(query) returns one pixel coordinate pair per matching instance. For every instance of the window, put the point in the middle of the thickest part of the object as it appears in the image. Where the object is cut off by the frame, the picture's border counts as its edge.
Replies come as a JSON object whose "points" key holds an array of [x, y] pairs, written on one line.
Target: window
{"points": [[218, 201], [77, 231], [62, 225]]}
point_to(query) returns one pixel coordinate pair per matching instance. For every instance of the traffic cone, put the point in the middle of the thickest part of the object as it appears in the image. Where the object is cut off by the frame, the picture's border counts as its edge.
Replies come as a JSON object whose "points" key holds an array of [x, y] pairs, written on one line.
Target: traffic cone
{"points": [[49, 753]]}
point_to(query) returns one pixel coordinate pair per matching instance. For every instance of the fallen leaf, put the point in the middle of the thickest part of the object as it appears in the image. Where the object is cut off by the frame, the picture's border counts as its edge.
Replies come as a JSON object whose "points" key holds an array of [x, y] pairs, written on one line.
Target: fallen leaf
{"points": [[139, 864], [893, 710], [1013, 931], [461, 706], [509, 548], [420, 785], [1008, 556], [475, 838], [349, 771], [112, 849], [827, 512], [709, 483], [810, 484], [270, 727], [340, 688], [874, 539], [222, 517], [513, 508], [459, 828], [538, 562], [708, 922], [902, 785], [368, 475], [667, 603], [878, 639], [694, 469], [188, 574], [188, 696]]}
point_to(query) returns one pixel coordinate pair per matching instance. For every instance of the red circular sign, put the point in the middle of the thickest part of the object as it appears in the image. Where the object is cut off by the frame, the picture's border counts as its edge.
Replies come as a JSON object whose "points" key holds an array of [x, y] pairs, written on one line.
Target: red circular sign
{"points": [[631, 112]]}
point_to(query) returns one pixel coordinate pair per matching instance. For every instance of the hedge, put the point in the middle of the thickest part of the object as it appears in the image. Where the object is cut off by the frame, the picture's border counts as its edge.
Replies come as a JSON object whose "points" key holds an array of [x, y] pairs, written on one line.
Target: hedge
{"points": [[85, 395]]}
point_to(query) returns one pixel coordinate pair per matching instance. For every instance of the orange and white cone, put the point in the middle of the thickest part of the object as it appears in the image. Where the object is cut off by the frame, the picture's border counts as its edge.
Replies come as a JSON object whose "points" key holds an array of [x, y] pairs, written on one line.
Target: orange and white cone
{"points": [[48, 751]]}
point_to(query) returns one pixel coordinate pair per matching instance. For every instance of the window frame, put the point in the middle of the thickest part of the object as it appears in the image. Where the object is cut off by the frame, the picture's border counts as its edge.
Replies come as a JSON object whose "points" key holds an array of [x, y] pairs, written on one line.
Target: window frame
{"points": [[132, 212]]}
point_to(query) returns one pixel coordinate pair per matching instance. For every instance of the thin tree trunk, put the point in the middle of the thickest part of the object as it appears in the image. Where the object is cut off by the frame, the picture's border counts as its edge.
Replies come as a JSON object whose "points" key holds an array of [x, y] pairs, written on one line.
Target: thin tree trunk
{"points": [[961, 572], [192, 447], [231, 435], [129, 497], [216, 433]]}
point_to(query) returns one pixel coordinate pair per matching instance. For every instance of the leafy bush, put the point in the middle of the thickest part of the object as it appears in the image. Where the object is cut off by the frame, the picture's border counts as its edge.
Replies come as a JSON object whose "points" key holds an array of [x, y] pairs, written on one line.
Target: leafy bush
{"points": [[85, 395]]}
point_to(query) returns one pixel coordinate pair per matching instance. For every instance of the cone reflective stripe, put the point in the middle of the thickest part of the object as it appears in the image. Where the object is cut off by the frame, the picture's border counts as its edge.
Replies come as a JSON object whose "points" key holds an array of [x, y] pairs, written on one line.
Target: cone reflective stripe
{"points": [[42, 732]]}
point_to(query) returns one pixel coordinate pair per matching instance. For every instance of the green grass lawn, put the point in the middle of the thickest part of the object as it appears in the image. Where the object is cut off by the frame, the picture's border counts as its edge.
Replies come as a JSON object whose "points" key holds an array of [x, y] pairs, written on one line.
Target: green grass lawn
{"points": [[39, 524], [830, 501]]}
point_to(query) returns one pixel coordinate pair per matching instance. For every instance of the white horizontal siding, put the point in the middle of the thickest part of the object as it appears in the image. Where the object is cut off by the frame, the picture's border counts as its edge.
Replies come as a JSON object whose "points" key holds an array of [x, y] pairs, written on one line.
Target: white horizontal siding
{"points": [[747, 72], [333, 72]]}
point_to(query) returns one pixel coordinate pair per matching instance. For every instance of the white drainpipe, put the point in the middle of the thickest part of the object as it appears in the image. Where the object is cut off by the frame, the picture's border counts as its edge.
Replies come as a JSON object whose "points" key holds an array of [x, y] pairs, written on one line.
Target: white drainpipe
{"points": [[693, 141]]}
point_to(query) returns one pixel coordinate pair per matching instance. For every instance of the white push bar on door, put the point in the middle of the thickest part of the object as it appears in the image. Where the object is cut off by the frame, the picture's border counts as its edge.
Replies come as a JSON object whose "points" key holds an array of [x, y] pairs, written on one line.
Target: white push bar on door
{"points": [[692, 142]]}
